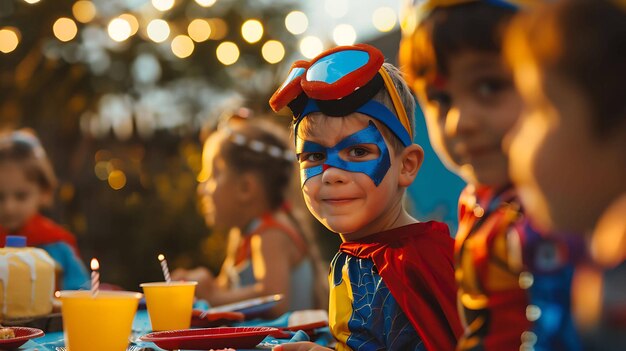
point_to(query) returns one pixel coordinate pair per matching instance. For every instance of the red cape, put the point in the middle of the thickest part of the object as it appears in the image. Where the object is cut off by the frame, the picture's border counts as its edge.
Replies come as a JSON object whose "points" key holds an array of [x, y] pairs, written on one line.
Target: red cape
{"points": [[416, 264], [40, 230]]}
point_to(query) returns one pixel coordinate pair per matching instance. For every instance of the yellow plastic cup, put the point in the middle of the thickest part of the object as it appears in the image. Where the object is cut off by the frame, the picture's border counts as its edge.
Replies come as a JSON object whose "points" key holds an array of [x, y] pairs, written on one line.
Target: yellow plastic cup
{"points": [[169, 304], [98, 323]]}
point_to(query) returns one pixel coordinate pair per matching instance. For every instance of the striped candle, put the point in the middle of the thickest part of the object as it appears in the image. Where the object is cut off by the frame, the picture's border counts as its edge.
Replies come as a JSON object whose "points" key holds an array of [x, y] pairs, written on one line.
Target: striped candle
{"points": [[166, 271], [95, 277]]}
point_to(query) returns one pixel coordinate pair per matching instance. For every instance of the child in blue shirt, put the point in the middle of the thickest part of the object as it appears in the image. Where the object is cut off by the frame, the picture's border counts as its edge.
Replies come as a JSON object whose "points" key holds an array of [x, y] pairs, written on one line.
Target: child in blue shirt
{"points": [[27, 184]]}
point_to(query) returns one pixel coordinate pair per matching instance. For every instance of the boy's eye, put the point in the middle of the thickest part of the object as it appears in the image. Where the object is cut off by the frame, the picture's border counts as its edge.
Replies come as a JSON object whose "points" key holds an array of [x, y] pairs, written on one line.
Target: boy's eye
{"points": [[489, 87], [22, 195], [358, 152], [311, 157]]}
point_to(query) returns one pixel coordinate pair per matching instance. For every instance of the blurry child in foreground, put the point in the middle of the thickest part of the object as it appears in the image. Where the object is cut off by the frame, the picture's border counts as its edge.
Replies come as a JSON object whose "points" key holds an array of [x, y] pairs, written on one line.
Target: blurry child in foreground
{"points": [[568, 152], [509, 276], [247, 168], [27, 184], [391, 283]]}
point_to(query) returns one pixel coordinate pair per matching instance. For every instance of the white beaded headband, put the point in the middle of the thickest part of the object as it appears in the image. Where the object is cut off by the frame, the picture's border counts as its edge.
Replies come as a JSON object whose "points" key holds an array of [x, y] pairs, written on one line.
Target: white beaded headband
{"points": [[259, 146]]}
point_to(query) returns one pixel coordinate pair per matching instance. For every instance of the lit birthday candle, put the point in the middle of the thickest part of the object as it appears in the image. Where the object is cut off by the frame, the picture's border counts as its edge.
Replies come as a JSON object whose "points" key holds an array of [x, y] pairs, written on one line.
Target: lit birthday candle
{"points": [[95, 276], [166, 271]]}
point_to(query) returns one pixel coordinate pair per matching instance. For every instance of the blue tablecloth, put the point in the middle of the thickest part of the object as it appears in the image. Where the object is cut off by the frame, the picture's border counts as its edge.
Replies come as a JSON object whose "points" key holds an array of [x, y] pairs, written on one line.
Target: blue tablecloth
{"points": [[141, 326]]}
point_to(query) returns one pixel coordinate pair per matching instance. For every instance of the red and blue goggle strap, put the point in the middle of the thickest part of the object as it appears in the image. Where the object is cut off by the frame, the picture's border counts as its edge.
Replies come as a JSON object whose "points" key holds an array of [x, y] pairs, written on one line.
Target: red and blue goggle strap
{"points": [[290, 90], [375, 169], [371, 108]]}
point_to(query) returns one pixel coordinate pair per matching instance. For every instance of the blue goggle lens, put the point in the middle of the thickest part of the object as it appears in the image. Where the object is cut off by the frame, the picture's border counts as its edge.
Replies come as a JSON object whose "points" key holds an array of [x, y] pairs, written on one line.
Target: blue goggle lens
{"points": [[293, 74], [333, 67]]}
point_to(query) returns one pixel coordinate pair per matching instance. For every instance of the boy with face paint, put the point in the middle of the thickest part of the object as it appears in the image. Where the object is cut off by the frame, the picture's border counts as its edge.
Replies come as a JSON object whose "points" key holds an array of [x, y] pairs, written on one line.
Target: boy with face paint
{"points": [[392, 282]]}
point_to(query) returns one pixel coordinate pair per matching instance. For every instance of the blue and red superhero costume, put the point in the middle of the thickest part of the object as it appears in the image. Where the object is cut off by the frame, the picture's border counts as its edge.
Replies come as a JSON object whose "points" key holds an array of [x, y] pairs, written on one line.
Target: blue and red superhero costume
{"points": [[514, 284], [395, 290]]}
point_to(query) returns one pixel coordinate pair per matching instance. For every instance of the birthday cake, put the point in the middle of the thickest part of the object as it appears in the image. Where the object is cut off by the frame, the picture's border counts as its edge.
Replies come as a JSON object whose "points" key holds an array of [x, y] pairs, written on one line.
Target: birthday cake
{"points": [[27, 279]]}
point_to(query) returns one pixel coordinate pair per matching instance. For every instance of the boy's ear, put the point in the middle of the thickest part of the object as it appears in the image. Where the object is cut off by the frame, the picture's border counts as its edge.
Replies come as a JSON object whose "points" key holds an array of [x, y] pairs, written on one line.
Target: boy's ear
{"points": [[411, 160], [247, 187]]}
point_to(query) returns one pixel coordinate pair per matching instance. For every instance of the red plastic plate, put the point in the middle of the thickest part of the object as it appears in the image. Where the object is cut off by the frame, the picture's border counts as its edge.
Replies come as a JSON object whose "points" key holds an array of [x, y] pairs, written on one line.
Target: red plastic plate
{"points": [[209, 338], [22, 335]]}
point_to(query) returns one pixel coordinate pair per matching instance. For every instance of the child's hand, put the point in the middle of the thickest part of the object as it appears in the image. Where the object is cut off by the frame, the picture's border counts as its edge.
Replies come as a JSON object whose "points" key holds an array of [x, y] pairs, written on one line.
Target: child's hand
{"points": [[206, 281], [300, 346]]}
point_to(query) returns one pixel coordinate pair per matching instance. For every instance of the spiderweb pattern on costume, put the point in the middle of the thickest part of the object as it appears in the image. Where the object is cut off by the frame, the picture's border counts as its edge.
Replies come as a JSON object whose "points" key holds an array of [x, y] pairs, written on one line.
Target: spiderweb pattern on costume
{"points": [[377, 321]]}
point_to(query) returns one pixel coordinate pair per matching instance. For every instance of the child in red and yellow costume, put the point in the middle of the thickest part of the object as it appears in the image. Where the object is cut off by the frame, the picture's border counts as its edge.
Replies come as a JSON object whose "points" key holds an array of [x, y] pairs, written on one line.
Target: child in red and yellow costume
{"points": [[514, 283]]}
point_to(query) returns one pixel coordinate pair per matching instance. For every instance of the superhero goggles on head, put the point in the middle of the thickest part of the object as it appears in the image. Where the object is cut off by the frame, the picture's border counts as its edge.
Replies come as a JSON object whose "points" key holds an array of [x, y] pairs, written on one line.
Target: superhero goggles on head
{"points": [[341, 81]]}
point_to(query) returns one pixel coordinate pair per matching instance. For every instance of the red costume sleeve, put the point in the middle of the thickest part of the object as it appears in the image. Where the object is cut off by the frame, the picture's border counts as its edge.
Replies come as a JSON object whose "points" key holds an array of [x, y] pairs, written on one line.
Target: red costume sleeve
{"points": [[40, 230], [416, 264]]}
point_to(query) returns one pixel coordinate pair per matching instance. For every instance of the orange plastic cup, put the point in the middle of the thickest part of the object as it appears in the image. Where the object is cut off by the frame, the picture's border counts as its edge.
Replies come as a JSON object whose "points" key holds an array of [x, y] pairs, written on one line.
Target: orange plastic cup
{"points": [[169, 304], [98, 323]]}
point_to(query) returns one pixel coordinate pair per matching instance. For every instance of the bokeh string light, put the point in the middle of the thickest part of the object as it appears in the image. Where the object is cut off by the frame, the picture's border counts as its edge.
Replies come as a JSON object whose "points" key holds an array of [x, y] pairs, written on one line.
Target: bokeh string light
{"points": [[155, 25], [84, 11], [344, 34], [273, 51], [311, 46], [9, 39], [182, 46], [65, 29], [252, 30], [199, 30], [296, 22], [132, 21], [206, 3], [384, 19], [227, 53], [158, 30], [142, 44], [119, 29]]}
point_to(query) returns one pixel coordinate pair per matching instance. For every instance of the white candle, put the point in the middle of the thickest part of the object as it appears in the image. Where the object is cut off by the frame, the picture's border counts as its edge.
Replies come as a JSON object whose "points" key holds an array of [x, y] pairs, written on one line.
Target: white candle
{"points": [[95, 276], [166, 271]]}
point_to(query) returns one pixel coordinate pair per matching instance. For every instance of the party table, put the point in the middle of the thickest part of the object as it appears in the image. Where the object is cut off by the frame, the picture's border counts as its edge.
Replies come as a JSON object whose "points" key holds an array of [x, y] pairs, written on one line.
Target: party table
{"points": [[141, 326]]}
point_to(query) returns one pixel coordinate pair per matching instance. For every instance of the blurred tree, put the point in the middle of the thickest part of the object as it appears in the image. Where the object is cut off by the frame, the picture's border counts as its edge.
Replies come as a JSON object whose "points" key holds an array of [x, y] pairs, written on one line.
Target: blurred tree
{"points": [[120, 119]]}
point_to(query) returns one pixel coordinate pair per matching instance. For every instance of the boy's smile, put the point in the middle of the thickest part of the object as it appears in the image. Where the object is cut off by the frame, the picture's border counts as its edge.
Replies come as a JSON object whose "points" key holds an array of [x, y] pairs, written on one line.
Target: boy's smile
{"points": [[348, 202]]}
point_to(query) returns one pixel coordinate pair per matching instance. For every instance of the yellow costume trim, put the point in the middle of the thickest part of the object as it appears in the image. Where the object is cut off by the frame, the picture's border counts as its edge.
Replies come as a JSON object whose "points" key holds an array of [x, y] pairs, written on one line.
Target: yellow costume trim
{"points": [[340, 309], [397, 101]]}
